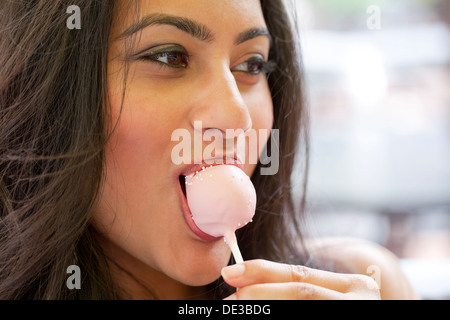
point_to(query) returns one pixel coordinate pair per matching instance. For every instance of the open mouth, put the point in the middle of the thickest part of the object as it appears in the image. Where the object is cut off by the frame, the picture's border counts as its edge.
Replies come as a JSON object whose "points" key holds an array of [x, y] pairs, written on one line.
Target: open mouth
{"points": [[182, 179]]}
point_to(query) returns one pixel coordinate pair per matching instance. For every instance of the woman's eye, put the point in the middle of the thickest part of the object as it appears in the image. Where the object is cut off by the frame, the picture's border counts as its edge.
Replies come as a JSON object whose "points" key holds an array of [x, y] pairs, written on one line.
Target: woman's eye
{"points": [[173, 59], [172, 56], [253, 66]]}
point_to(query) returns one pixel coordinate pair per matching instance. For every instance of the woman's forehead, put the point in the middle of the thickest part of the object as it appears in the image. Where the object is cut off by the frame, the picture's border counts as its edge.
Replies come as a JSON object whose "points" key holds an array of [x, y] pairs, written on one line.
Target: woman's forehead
{"points": [[217, 16]]}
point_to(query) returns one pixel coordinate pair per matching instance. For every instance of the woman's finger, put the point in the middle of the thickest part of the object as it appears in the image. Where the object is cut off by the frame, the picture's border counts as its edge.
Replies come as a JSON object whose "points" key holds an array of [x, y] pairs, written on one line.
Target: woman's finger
{"points": [[286, 291], [262, 271]]}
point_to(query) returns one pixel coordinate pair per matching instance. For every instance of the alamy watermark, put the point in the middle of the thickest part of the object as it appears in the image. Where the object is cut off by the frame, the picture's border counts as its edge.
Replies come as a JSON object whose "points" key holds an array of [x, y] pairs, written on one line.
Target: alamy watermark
{"points": [[373, 22], [74, 20], [237, 142], [73, 281]]}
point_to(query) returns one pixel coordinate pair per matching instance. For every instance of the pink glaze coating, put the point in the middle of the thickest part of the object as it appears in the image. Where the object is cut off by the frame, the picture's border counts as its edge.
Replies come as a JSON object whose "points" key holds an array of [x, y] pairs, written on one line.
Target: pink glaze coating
{"points": [[221, 198]]}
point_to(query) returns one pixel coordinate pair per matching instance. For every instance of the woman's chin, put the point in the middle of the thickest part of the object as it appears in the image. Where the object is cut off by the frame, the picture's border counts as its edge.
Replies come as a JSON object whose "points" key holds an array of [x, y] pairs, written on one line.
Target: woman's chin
{"points": [[201, 272]]}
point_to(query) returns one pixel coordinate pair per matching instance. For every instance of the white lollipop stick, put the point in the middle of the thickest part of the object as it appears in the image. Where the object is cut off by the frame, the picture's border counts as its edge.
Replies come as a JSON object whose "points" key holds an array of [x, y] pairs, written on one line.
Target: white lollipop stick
{"points": [[230, 239]]}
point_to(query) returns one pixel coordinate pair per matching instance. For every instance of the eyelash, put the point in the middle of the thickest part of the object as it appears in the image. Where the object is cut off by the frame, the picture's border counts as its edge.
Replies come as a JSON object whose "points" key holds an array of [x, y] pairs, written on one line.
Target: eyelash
{"points": [[262, 65], [153, 58]]}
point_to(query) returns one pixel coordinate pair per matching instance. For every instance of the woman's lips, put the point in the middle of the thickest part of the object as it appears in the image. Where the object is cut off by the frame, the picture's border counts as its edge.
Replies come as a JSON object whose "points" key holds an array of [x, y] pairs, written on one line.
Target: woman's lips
{"points": [[188, 170]]}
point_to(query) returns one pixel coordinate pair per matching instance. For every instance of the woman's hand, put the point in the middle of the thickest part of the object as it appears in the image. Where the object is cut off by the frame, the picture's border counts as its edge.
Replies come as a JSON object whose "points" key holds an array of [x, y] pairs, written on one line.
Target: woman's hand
{"points": [[262, 279]]}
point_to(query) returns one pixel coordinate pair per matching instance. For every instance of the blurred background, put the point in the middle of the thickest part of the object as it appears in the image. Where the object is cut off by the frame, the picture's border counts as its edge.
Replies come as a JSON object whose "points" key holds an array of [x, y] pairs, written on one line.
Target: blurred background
{"points": [[378, 81]]}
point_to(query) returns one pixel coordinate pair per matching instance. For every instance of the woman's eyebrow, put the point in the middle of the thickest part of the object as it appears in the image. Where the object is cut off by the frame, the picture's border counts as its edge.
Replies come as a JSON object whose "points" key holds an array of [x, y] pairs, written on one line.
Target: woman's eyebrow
{"points": [[252, 33], [195, 29]]}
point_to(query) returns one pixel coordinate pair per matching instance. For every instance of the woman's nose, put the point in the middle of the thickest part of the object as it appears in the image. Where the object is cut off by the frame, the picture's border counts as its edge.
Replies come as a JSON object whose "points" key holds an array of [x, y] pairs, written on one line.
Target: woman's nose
{"points": [[219, 104]]}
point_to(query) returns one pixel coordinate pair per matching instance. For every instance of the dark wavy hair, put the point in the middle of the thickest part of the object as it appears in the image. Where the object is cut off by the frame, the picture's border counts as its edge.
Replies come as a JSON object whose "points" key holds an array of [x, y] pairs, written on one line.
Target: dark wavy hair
{"points": [[53, 132]]}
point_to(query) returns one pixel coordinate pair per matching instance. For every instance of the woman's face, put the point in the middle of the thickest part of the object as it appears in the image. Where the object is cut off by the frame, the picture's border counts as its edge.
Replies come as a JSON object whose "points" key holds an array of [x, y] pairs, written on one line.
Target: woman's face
{"points": [[193, 60]]}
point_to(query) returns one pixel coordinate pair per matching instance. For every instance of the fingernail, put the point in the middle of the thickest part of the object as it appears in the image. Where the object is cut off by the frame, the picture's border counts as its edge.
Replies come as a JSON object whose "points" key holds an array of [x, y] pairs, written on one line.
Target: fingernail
{"points": [[233, 271]]}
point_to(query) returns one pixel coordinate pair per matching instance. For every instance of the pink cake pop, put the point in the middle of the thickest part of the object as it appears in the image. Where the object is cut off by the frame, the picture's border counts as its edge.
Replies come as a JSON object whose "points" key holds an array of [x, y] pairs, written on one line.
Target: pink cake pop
{"points": [[222, 199]]}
